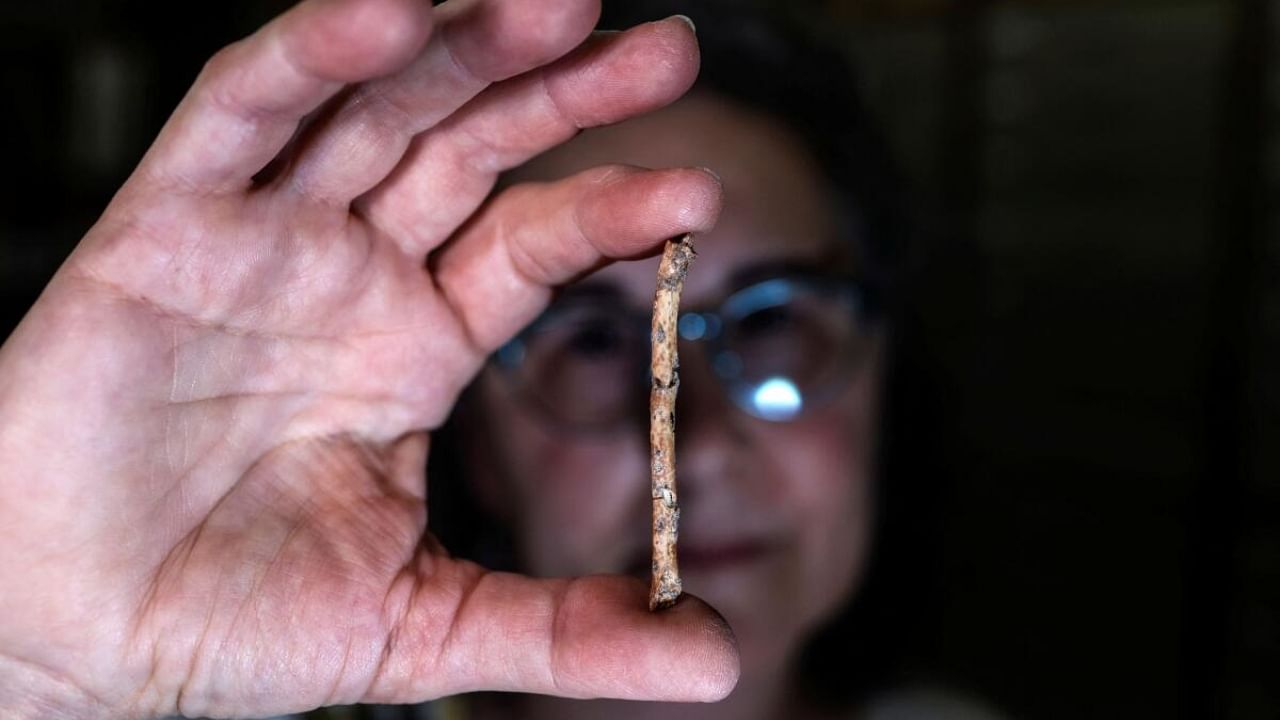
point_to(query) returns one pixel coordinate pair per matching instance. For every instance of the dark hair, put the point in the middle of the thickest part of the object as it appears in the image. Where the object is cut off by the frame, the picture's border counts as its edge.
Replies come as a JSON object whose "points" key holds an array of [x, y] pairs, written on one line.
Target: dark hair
{"points": [[779, 67]]}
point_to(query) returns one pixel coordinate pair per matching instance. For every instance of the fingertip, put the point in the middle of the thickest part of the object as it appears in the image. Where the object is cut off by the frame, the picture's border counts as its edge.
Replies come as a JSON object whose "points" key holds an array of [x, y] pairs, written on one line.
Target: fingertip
{"points": [[634, 209], [705, 198], [675, 45], [616, 647], [687, 21], [715, 674], [356, 40], [641, 69], [713, 175], [533, 33]]}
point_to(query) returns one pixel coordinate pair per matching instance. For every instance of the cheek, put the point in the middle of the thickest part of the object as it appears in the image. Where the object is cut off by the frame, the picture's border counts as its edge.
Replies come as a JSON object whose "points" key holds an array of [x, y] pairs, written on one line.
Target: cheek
{"points": [[830, 456], [578, 515], [824, 450], [572, 496]]}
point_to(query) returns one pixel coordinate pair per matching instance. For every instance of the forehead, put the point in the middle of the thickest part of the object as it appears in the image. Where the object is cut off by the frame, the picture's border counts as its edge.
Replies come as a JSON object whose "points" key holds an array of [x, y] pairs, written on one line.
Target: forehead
{"points": [[777, 207]]}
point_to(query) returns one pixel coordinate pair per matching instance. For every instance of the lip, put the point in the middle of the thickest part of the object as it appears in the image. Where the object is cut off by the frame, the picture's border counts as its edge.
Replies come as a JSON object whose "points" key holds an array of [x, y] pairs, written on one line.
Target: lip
{"points": [[721, 556], [709, 557]]}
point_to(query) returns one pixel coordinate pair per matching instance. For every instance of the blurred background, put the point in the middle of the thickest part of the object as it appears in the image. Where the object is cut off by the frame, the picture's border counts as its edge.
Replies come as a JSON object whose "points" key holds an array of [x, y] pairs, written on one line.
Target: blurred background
{"points": [[1089, 372]]}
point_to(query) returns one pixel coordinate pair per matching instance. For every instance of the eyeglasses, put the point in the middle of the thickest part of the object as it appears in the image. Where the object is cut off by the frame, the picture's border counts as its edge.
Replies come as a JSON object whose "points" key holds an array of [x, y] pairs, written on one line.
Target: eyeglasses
{"points": [[779, 347]]}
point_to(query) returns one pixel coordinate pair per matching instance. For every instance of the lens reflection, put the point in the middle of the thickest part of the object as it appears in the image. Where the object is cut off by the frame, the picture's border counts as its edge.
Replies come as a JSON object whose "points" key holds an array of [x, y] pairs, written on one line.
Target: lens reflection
{"points": [[777, 399], [693, 326]]}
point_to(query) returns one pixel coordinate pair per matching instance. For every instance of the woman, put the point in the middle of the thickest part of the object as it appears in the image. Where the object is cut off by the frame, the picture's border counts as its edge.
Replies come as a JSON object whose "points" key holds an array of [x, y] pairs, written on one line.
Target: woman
{"points": [[783, 358], [776, 412]]}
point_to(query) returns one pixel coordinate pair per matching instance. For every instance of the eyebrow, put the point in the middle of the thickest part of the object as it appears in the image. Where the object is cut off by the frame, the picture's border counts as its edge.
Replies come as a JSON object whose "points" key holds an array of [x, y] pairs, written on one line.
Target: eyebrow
{"points": [[606, 291], [767, 269]]}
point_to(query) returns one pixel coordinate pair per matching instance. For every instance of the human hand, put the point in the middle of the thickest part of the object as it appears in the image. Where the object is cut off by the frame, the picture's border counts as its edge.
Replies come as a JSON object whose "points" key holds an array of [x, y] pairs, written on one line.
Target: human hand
{"points": [[213, 423]]}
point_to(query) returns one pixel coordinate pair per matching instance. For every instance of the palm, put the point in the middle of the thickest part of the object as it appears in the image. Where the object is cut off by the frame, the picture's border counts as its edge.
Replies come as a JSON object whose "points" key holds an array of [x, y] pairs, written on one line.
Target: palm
{"points": [[234, 522], [292, 497]]}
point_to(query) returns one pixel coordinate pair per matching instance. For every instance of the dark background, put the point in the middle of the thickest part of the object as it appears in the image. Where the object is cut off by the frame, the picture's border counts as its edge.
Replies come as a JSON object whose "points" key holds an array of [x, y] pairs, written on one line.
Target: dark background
{"points": [[1090, 365]]}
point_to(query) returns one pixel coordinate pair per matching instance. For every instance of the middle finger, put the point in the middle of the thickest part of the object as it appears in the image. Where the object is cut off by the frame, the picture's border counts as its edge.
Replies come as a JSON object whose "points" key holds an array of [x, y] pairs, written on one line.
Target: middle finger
{"points": [[610, 78], [355, 143]]}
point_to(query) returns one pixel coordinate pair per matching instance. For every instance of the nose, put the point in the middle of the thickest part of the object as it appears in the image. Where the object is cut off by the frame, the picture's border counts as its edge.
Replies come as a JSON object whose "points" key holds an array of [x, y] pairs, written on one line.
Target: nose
{"points": [[711, 435]]}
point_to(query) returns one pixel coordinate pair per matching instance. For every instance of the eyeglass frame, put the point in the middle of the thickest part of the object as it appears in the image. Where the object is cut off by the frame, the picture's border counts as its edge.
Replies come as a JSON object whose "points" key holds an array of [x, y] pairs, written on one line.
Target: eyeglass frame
{"points": [[859, 295]]}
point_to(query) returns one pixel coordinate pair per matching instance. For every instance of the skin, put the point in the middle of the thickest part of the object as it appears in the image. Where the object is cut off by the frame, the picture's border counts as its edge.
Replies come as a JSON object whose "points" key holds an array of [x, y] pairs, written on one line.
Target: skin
{"points": [[214, 420], [800, 491]]}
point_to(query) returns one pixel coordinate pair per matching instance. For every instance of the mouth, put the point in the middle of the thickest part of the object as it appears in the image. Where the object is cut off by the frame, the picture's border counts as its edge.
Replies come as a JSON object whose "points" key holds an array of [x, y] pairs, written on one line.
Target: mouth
{"points": [[699, 558], [706, 558]]}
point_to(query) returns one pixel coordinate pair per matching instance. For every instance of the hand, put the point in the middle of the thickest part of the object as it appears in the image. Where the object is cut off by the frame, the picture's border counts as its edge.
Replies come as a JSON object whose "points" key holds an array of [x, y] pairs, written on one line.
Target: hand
{"points": [[213, 423]]}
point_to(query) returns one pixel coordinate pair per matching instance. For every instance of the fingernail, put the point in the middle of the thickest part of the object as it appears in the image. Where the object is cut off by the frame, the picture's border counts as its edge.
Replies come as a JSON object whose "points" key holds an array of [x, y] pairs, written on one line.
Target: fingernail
{"points": [[687, 21], [713, 174]]}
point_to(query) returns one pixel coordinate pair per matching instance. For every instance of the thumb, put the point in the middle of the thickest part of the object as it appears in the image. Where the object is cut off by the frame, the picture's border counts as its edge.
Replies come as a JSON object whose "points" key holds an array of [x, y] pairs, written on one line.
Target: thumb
{"points": [[470, 629]]}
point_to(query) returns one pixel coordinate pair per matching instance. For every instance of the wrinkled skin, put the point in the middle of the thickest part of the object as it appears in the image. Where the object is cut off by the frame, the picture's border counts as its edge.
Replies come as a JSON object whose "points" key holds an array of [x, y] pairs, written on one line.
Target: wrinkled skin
{"points": [[213, 422]]}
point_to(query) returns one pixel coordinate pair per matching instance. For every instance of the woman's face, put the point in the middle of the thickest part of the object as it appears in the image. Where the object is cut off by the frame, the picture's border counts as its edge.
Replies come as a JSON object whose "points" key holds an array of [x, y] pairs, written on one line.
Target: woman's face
{"points": [[775, 515]]}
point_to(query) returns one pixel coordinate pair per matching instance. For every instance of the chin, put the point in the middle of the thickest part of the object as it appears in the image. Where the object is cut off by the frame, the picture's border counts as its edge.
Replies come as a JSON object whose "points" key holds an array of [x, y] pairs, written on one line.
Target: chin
{"points": [[771, 608]]}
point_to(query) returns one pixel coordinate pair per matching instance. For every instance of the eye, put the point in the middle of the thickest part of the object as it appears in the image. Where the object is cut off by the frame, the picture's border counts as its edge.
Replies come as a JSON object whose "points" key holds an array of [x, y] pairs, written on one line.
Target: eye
{"points": [[768, 320], [595, 340], [585, 369]]}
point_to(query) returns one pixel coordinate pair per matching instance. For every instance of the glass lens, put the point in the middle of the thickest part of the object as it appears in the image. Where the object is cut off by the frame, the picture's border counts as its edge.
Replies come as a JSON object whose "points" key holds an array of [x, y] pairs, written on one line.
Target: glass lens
{"points": [[586, 363], [787, 344]]}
